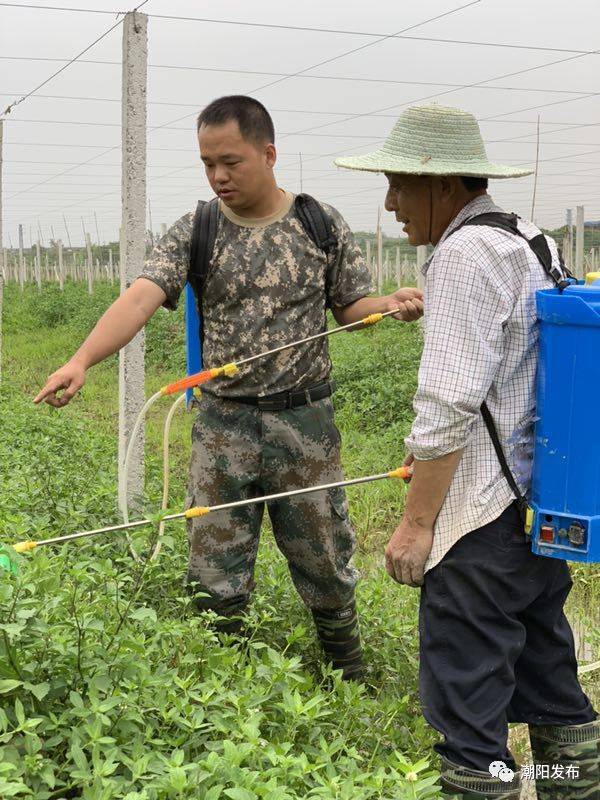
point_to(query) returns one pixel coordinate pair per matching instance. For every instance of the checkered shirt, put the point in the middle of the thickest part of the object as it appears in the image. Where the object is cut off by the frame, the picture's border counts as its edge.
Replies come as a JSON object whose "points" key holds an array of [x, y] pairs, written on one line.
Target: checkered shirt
{"points": [[480, 343]]}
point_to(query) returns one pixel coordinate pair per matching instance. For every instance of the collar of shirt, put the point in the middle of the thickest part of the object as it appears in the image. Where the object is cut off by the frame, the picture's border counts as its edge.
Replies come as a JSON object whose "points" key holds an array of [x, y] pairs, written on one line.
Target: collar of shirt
{"points": [[480, 205]]}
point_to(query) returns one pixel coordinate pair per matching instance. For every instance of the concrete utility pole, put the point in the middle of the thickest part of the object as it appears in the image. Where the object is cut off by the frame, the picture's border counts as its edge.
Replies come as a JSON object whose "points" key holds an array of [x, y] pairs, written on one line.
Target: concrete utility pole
{"points": [[111, 269], [21, 259], [150, 223], [97, 231], [61, 266], [133, 241], [68, 234], [568, 252], [89, 263], [379, 254], [579, 234], [1, 243], [38, 265], [163, 228]]}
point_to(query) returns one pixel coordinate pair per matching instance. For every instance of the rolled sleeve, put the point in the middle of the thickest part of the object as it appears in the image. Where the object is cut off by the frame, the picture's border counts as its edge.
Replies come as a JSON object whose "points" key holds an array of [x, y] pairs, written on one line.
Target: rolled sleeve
{"points": [[465, 311], [168, 263], [348, 277]]}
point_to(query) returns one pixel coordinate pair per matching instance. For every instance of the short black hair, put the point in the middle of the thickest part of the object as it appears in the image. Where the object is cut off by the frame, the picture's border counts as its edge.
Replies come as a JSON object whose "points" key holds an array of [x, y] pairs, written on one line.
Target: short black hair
{"points": [[474, 184], [252, 117]]}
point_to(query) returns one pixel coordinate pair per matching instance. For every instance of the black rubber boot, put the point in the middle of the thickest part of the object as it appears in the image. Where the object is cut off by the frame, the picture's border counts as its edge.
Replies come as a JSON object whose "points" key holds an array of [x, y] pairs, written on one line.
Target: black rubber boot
{"points": [[339, 635], [232, 612], [570, 760], [463, 783]]}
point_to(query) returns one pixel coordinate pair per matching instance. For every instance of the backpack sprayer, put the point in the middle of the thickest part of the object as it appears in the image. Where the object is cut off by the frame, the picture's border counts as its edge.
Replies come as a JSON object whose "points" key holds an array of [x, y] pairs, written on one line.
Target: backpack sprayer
{"points": [[564, 512]]}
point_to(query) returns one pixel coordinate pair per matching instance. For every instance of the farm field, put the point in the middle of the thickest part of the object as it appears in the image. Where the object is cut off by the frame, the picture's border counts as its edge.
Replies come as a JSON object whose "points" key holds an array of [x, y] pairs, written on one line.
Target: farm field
{"points": [[111, 686]]}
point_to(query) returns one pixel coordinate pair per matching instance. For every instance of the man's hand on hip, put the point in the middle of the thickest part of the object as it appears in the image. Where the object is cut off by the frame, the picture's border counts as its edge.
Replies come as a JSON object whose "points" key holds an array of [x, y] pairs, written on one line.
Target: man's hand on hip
{"points": [[407, 551]]}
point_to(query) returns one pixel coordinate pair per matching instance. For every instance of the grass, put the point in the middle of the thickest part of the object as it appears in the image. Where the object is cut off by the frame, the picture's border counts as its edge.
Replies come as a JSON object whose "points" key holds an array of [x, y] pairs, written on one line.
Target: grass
{"points": [[112, 687]]}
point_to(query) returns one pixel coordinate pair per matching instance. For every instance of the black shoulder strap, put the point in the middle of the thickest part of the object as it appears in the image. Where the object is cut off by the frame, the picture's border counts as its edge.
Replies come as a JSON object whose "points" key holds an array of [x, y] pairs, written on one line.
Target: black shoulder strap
{"points": [[538, 245], [506, 470], [204, 233], [315, 222], [493, 219]]}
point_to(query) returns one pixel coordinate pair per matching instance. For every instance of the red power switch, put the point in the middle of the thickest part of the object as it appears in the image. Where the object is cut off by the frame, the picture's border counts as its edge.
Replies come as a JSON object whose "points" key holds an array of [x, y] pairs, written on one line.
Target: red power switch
{"points": [[546, 533]]}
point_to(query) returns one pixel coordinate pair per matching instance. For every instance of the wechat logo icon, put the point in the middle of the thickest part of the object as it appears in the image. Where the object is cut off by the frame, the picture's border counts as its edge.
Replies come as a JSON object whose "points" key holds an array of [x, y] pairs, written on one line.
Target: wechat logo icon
{"points": [[498, 769]]}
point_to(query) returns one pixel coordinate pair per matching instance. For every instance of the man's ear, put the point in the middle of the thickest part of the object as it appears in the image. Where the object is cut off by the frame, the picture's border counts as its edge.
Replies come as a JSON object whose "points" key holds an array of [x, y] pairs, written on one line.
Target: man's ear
{"points": [[270, 155], [447, 186]]}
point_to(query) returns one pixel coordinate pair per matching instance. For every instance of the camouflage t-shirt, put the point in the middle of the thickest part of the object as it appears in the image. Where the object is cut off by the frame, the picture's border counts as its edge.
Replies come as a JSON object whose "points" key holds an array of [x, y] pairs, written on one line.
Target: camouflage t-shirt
{"points": [[268, 284]]}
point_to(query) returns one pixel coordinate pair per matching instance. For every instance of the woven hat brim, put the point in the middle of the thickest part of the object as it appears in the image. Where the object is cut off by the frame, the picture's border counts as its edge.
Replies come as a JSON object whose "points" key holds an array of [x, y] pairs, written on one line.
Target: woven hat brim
{"points": [[381, 161]]}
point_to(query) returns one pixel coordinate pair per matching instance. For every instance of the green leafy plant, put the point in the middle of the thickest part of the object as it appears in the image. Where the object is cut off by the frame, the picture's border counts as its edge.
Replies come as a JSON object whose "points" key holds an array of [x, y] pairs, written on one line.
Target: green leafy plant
{"points": [[111, 687]]}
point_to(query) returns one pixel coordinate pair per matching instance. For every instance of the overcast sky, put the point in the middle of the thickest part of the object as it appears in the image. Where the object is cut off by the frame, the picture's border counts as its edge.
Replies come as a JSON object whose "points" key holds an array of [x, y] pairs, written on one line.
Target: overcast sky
{"points": [[310, 110]]}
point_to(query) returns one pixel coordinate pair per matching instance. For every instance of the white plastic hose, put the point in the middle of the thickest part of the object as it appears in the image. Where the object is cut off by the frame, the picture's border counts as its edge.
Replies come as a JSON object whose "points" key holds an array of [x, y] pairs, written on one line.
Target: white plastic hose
{"points": [[165, 497], [127, 463], [166, 470]]}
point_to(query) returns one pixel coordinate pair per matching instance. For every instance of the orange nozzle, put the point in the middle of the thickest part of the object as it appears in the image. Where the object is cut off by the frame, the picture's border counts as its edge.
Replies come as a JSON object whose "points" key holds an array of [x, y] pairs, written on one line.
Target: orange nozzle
{"points": [[187, 383], [199, 377], [402, 472]]}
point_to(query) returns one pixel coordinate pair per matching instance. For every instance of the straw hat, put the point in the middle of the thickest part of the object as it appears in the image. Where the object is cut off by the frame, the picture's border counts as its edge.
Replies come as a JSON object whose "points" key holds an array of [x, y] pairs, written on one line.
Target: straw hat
{"points": [[433, 140]]}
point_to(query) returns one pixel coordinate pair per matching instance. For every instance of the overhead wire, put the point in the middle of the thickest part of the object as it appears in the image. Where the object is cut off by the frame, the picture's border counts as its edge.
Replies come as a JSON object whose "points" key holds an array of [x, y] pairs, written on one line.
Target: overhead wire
{"points": [[304, 28], [353, 79], [15, 103], [382, 38], [472, 85], [515, 139], [380, 112], [170, 122], [361, 47]]}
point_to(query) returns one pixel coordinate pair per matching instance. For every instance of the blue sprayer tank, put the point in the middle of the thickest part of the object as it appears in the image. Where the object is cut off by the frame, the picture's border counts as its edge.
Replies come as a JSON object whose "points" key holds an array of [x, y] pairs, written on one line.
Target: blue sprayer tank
{"points": [[565, 491]]}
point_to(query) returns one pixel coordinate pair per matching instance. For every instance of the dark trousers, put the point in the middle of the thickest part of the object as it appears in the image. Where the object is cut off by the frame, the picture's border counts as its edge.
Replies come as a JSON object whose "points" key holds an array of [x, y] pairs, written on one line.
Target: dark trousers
{"points": [[495, 644]]}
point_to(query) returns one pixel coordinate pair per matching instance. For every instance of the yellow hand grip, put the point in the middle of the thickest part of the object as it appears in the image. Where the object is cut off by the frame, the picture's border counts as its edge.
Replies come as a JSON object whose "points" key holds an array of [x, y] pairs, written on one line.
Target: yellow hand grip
{"points": [[402, 472], [197, 511], [23, 547], [229, 370], [371, 319]]}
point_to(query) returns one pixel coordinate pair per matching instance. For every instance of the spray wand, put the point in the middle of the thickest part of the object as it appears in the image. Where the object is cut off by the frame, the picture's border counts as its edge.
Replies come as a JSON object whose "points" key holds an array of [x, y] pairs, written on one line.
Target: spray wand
{"points": [[401, 473]]}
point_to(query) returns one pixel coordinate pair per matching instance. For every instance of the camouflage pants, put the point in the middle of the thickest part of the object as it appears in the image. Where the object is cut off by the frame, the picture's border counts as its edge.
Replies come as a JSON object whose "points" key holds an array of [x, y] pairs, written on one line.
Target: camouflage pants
{"points": [[241, 452]]}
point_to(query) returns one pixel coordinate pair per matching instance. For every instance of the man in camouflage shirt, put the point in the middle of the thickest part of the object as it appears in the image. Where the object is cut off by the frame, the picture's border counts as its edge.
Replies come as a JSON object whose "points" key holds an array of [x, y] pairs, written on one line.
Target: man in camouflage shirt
{"points": [[267, 284]]}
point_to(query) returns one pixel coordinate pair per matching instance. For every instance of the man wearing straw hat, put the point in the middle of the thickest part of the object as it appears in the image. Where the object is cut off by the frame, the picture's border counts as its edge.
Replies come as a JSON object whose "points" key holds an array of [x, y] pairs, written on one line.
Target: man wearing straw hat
{"points": [[495, 645]]}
